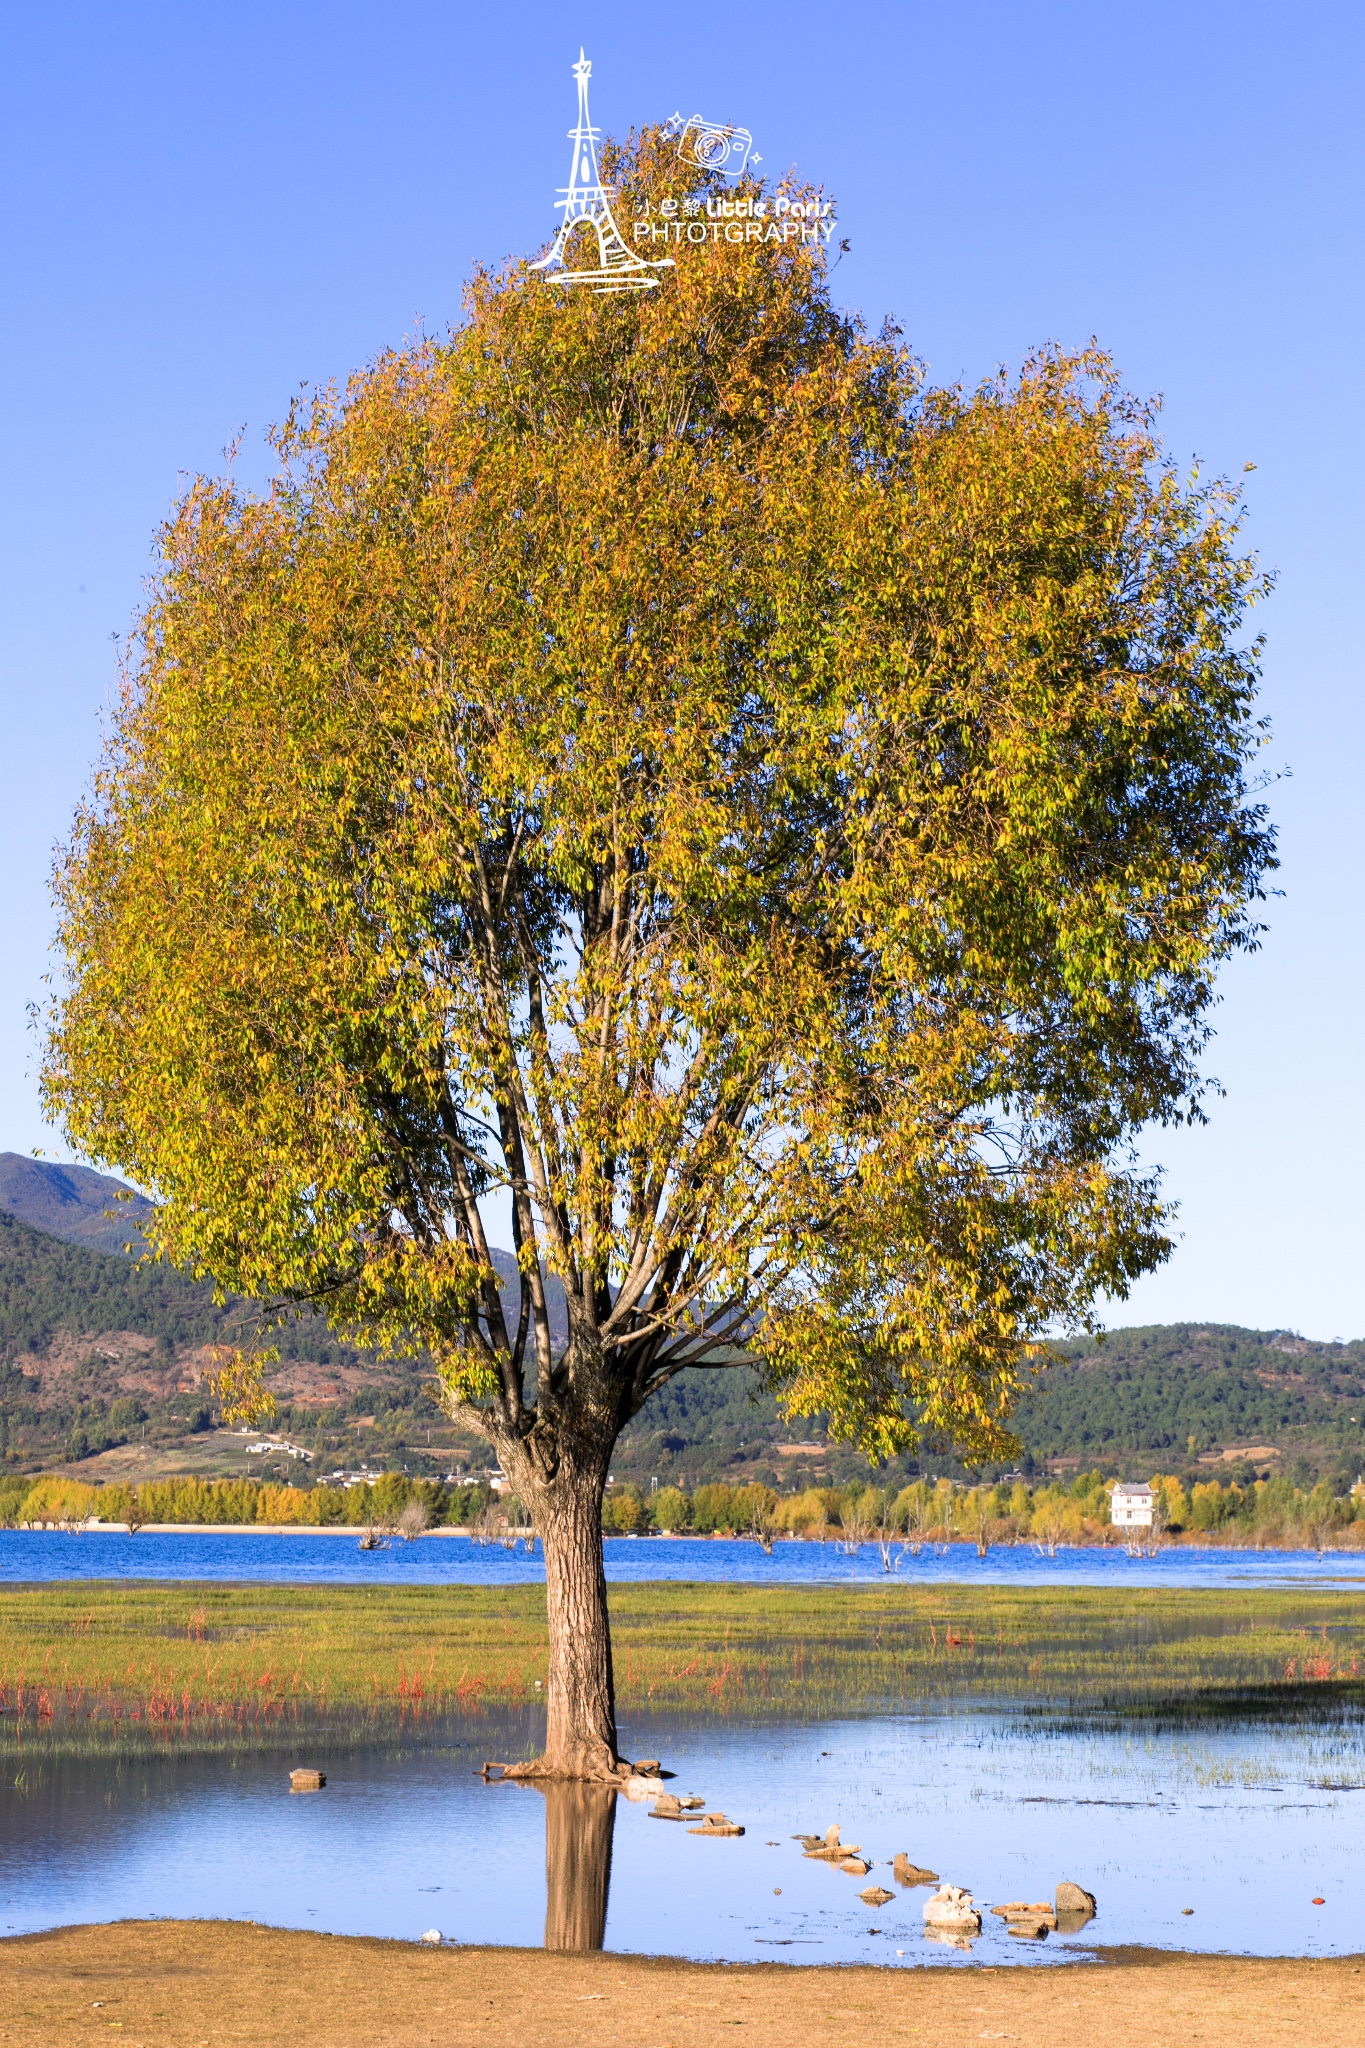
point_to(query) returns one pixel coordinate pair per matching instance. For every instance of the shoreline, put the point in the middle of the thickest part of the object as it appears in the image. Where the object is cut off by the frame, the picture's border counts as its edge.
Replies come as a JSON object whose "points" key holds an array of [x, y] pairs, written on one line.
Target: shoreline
{"points": [[1172, 1546], [163, 1983], [352, 1529]]}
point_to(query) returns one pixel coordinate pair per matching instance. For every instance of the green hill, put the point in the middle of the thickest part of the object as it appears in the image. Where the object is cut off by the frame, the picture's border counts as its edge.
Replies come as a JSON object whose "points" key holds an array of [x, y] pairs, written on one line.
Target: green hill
{"points": [[1177, 1393], [99, 1352]]}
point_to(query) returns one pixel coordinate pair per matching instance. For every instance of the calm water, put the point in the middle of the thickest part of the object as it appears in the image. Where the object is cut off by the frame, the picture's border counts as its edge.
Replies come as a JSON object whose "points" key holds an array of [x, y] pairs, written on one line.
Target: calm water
{"points": [[1244, 1824], [440, 1560]]}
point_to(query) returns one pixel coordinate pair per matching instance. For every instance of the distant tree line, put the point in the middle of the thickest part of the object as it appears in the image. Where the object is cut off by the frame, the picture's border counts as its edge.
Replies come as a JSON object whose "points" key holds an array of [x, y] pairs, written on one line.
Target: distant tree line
{"points": [[1054, 1514], [216, 1503], [1273, 1513]]}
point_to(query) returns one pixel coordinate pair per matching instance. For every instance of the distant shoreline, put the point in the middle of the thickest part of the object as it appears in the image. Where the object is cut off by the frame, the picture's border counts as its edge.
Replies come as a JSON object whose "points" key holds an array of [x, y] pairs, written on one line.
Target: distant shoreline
{"points": [[1184, 1540], [350, 1529]]}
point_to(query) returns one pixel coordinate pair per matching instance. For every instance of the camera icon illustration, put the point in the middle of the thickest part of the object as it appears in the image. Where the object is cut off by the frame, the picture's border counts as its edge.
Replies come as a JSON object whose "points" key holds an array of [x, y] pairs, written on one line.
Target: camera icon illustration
{"points": [[713, 147]]}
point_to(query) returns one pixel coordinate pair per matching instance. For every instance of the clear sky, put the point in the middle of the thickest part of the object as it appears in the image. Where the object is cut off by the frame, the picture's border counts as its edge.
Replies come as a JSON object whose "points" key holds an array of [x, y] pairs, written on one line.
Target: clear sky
{"points": [[205, 205]]}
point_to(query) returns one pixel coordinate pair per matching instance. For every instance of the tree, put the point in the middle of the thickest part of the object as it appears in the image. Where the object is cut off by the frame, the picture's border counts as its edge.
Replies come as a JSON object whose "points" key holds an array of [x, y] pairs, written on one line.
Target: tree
{"points": [[649, 762], [671, 1509]]}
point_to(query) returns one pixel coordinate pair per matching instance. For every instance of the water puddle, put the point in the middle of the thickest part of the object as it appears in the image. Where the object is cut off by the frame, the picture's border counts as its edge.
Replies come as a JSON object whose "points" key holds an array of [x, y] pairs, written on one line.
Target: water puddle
{"points": [[1207, 1837]]}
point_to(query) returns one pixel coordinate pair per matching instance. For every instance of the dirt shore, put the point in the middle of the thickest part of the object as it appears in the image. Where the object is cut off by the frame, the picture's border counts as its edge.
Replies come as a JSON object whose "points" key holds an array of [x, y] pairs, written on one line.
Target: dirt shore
{"points": [[199, 1984]]}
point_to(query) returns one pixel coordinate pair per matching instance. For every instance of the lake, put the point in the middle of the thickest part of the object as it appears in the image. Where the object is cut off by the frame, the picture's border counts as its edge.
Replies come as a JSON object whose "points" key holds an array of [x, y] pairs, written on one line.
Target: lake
{"points": [[1243, 1823], [336, 1558]]}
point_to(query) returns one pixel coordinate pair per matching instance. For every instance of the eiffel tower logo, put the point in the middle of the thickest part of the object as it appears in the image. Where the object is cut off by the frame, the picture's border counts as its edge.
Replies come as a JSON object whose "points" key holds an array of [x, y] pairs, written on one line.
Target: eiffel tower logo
{"points": [[585, 198]]}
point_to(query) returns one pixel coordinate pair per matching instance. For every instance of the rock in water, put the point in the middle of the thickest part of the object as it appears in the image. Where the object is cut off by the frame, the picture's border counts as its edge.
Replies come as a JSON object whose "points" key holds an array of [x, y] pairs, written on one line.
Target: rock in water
{"points": [[716, 1824], [1073, 1898], [307, 1781], [951, 1906], [645, 1788], [1039, 1914], [906, 1872], [855, 1866], [875, 1896], [830, 1852]]}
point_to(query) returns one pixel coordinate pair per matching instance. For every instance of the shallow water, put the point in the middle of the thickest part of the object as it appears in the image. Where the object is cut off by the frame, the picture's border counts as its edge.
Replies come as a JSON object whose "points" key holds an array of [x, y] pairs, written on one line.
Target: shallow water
{"points": [[1244, 1823], [337, 1559]]}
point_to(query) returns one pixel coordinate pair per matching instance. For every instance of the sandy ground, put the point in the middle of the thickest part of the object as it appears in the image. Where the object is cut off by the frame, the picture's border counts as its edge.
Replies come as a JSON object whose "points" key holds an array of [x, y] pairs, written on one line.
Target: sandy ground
{"points": [[196, 1984]]}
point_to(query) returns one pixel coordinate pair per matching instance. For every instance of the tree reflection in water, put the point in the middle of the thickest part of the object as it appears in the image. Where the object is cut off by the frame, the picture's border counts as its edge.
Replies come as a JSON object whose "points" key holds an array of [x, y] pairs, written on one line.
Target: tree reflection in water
{"points": [[579, 1819]]}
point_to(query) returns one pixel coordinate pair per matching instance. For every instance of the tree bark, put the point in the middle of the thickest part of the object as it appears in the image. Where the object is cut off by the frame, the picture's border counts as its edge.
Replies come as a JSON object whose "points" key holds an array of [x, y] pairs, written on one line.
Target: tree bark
{"points": [[580, 1730]]}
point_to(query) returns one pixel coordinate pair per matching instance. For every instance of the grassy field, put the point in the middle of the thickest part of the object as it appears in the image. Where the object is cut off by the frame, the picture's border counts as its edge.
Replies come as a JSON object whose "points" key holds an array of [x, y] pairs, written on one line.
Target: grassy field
{"points": [[187, 1667]]}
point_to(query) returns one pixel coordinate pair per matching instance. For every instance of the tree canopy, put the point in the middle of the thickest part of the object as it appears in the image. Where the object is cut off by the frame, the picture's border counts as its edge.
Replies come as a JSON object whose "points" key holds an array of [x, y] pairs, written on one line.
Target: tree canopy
{"points": [[653, 768]]}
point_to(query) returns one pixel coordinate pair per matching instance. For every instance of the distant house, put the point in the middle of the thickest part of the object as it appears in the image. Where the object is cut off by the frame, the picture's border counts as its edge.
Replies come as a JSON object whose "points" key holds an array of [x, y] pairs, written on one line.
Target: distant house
{"points": [[1130, 1507], [278, 1446]]}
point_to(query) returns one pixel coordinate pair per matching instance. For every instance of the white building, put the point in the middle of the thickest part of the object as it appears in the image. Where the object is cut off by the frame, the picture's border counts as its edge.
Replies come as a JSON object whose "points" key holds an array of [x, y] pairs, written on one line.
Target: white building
{"points": [[1130, 1507]]}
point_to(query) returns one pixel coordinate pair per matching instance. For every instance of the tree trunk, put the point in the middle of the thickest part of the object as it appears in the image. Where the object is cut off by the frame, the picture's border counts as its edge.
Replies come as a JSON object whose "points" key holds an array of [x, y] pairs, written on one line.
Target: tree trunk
{"points": [[580, 1731]]}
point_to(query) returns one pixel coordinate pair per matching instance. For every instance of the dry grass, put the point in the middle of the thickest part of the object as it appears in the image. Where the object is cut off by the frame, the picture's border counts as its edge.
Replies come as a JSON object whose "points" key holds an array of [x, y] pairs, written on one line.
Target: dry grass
{"points": [[206, 1984]]}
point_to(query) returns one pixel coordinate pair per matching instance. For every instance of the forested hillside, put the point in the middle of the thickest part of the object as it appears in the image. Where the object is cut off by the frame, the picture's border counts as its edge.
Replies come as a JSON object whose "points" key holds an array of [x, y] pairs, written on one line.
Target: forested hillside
{"points": [[1178, 1392], [97, 1351]]}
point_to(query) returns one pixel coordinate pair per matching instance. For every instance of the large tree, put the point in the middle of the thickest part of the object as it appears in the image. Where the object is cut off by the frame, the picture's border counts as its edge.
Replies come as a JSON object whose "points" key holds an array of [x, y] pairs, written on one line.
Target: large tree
{"points": [[651, 777]]}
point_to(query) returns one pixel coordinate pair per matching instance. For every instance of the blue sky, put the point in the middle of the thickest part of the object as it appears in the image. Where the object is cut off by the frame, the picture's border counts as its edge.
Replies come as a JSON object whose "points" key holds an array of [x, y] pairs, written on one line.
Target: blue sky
{"points": [[204, 206]]}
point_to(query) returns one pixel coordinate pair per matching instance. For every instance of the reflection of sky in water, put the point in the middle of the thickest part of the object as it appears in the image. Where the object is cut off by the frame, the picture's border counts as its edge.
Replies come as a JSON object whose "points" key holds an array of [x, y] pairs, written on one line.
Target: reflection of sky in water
{"points": [[1245, 1823], [279, 1555]]}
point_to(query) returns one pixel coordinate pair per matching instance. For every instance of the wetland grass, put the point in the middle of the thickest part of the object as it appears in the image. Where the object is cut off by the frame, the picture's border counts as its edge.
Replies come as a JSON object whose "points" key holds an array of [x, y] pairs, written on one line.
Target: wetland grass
{"points": [[116, 1667]]}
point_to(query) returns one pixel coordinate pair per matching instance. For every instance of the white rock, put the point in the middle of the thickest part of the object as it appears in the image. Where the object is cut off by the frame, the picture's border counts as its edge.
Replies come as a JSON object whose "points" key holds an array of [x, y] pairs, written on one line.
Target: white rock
{"points": [[643, 1788], [951, 1906], [433, 1935]]}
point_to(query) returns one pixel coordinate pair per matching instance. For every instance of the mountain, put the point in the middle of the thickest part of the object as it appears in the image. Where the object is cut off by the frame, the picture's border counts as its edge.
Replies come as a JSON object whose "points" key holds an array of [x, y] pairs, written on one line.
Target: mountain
{"points": [[70, 1202], [84, 1334], [1186, 1395]]}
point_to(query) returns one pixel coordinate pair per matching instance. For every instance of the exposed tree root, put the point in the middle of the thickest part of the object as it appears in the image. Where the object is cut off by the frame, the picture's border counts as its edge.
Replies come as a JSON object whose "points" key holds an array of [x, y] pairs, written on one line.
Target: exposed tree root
{"points": [[586, 1770]]}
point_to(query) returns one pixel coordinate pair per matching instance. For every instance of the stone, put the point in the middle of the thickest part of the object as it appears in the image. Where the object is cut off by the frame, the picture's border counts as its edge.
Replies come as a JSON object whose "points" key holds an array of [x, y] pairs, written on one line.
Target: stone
{"points": [[691, 1801], [645, 1788], [951, 1907], [433, 1935], [906, 1872], [855, 1866], [1073, 1898], [649, 1767], [1030, 1930], [822, 1850], [307, 1781], [716, 1824], [875, 1896]]}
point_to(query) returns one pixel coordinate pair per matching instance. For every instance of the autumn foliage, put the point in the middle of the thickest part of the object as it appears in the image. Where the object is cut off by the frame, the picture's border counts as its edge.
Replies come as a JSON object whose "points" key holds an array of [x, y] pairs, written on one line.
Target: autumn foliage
{"points": [[654, 761]]}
